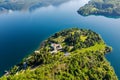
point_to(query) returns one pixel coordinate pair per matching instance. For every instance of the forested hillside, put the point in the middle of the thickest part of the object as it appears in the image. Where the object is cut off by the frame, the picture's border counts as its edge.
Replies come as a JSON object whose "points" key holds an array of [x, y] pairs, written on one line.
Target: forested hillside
{"points": [[108, 8], [71, 54]]}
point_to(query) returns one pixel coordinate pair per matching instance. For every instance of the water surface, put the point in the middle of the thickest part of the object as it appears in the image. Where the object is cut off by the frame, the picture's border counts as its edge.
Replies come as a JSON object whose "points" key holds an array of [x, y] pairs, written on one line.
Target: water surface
{"points": [[21, 32]]}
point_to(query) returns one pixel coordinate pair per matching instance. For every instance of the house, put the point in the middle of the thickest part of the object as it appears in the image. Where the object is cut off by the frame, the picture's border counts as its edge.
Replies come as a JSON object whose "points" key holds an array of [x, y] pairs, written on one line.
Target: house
{"points": [[37, 52], [56, 47]]}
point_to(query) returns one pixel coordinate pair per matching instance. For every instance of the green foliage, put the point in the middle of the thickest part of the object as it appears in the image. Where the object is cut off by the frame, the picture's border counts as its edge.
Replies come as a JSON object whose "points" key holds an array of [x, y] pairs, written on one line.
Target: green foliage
{"points": [[85, 62], [14, 70]]}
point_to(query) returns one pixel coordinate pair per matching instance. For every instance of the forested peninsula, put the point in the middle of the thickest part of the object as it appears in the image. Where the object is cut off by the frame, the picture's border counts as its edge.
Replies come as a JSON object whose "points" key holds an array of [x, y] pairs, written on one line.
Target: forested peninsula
{"points": [[71, 54], [108, 8]]}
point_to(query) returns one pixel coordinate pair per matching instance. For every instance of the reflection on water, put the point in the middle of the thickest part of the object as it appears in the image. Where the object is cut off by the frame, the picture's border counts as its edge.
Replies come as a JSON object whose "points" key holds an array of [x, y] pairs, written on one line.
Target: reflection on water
{"points": [[7, 6]]}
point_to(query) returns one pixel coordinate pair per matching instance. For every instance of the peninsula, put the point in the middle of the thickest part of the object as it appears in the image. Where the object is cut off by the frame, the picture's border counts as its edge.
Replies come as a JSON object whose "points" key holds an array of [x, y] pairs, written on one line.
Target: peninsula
{"points": [[71, 54], [108, 8]]}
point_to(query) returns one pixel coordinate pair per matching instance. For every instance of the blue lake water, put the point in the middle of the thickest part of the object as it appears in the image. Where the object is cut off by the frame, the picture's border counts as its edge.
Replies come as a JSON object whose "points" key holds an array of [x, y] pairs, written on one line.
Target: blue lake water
{"points": [[21, 32]]}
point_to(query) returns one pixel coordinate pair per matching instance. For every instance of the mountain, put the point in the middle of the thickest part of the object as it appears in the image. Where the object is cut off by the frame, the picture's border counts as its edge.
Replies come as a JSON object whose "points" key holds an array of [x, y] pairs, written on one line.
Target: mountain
{"points": [[108, 8], [71, 54]]}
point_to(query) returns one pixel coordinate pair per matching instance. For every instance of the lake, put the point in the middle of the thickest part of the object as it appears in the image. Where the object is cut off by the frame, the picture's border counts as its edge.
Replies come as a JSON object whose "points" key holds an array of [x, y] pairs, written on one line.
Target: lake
{"points": [[21, 32]]}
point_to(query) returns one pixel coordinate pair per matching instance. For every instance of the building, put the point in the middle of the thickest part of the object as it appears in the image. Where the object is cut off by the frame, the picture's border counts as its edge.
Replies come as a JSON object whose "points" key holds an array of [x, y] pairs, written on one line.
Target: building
{"points": [[56, 47]]}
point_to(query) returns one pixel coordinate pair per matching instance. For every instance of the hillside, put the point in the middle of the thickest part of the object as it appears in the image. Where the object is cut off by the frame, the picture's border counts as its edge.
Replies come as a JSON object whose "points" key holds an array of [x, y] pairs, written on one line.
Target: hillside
{"points": [[108, 8], [71, 54]]}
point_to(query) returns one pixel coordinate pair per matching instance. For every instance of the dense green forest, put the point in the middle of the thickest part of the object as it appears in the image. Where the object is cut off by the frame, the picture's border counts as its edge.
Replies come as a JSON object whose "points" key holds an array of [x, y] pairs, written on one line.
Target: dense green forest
{"points": [[72, 54], [108, 8]]}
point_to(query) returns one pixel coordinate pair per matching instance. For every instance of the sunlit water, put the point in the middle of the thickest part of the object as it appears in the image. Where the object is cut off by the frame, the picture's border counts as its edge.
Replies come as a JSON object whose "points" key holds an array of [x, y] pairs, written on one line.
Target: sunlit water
{"points": [[21, 32]]}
